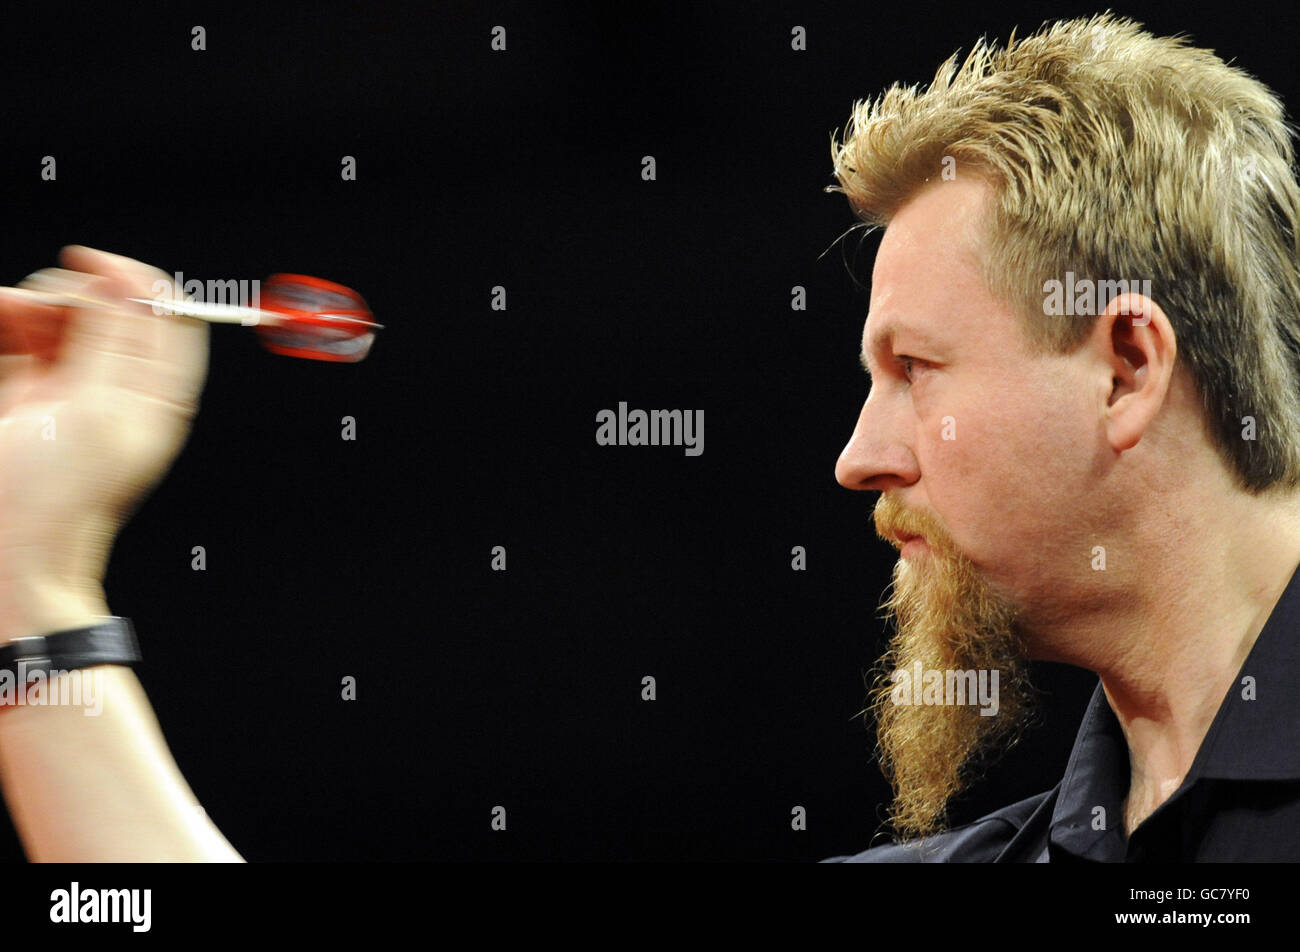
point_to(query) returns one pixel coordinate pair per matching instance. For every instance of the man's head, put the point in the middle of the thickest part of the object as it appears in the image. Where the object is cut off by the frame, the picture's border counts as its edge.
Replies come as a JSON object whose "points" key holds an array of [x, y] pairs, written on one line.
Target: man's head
{"points": [[1025, 407]]}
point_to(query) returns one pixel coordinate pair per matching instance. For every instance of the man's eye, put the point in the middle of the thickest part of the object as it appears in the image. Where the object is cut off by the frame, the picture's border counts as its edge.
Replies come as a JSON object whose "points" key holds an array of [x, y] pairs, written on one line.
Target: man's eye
{"points": [[907, 363]]}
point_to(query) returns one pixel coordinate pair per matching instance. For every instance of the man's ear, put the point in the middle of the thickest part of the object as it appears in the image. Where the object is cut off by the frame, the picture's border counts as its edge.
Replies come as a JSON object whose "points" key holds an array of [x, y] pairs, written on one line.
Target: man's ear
{"points": [[1135, 340]]}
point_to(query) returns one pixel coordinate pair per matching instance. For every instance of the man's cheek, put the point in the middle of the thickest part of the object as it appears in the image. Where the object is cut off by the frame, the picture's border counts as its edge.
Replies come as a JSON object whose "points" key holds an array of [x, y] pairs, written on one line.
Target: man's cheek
{"points": [[960, 448], [976, 479]]}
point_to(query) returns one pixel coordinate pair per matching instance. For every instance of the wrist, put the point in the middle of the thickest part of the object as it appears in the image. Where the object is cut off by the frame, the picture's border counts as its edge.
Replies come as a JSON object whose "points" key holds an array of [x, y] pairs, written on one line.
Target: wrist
{"points": [[38, 606], [62, 550]]}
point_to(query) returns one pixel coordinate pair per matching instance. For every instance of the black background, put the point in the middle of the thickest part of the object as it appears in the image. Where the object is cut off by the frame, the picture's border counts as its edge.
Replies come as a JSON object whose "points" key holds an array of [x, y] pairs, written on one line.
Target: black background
{"points": [[475, 427]]}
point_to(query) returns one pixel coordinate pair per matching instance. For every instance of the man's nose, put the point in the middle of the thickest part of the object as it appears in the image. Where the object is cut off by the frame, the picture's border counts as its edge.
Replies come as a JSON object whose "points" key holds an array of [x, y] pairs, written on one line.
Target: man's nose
{"points": [[876, 455]]}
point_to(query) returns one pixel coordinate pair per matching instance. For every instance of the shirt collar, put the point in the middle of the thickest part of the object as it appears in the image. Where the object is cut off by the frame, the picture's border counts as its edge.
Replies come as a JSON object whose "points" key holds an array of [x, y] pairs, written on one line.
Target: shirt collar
{"points": [[1254, 736]]}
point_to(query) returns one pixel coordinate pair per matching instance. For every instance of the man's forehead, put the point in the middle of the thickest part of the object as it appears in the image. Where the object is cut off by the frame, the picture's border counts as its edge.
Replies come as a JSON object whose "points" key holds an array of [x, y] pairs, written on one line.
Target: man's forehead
{"points": [[928, 270], [914, 305]]}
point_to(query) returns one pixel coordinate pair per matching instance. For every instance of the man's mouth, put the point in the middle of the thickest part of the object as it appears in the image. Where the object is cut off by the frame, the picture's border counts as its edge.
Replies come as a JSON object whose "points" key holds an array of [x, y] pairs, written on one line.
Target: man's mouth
{"points": [[909, 543]]}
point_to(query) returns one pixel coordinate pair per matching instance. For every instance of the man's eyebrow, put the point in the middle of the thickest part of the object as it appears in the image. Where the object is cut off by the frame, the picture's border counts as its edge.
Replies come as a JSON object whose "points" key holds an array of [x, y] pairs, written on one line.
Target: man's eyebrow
{"points": [[884, 340], [878, 340]]}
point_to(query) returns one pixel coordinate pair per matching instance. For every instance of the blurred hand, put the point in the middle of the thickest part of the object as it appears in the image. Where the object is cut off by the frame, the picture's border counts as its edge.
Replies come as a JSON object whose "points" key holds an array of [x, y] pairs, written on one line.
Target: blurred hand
{"points": [[93, 411]]}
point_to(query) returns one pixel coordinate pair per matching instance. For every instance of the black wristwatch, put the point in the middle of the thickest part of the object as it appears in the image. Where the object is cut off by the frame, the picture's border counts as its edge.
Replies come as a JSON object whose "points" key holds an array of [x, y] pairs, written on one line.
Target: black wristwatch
{"points": [[111, 641]]}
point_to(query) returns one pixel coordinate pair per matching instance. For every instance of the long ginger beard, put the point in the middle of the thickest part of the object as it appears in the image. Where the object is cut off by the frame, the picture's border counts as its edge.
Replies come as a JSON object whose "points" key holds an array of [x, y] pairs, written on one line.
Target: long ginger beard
{"points": [[947, 617]]}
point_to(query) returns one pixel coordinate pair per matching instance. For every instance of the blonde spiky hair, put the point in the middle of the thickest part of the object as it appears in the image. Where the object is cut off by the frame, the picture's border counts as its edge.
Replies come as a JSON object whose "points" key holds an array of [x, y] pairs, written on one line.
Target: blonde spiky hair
{"points": [[1116, 154]]}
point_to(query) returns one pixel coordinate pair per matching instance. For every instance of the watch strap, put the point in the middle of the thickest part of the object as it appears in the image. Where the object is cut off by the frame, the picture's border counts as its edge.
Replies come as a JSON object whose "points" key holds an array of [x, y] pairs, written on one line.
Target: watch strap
{"points": [[110, 641]]}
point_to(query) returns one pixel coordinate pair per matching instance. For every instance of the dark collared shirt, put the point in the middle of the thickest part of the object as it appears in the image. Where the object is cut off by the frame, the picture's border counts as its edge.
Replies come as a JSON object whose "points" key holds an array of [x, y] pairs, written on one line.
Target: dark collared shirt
{"points": [[1240, 800]]}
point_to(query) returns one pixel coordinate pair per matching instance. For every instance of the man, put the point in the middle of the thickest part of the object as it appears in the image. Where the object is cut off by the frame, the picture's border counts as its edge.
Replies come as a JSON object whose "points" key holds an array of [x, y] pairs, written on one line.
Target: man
{"points": [[1077, 488], [1084, 423]]}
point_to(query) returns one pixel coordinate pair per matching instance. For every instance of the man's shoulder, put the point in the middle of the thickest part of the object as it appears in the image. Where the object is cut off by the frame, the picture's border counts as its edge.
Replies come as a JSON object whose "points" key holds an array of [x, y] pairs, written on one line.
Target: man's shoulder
{"points": [[980, 841]]}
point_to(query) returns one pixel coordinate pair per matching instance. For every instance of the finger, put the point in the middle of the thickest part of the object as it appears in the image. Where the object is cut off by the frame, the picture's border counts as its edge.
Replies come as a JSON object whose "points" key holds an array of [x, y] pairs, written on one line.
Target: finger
{"points": [[181, 342], [95, 261], [56, 281], [103, 340], [125, 345], [143, 280], [31, 323], [12, 316]]}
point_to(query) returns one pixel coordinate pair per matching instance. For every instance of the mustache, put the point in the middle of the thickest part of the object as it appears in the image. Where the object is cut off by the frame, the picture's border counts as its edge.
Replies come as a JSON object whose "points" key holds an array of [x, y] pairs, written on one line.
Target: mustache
{"points": [[895, 523]]}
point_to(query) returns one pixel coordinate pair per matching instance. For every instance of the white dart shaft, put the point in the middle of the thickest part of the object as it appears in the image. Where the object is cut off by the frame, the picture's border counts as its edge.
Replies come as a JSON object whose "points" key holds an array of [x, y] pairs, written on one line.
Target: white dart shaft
{"points": [[212, 313], [54, 286], [239, 314], [216, 313]]}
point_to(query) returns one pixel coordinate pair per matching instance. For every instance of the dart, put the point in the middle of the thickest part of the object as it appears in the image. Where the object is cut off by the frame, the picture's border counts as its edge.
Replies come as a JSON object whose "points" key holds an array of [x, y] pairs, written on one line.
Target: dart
{"points": [[297, 315]]}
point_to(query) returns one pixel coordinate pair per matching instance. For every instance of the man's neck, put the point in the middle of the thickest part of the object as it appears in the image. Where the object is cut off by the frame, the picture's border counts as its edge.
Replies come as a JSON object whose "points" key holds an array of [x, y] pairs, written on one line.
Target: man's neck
{"points": [[1178, 630]]}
